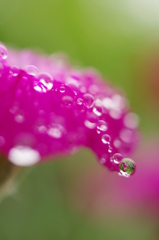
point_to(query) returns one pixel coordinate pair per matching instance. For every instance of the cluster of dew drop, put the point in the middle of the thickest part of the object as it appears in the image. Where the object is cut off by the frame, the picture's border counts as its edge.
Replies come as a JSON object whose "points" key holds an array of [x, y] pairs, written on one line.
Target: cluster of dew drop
{"points": [[92, 114]]}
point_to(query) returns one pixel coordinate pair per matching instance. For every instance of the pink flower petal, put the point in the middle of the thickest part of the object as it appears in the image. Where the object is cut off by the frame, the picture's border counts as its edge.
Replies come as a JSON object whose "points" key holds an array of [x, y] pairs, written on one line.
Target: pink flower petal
{"points": [[50, 108]]}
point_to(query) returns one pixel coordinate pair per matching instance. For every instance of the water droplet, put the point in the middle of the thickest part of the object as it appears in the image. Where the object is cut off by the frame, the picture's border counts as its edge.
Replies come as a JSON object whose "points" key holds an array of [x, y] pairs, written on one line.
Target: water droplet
{"points": [[117, 157], [89, 124], [42, 129], [88, 99], [110, 149], [67, 100], [102, 126], [98, 108], [102, 160], [23, 156], [70, 81], [14, 71], [115, 113], [126, 135], [19, 118], [117, 143], [62, 89], [131, 120], [106, 139], [3, 52], [72, 84], [126, 167], [93, 89], [55, 132], [83, 89], [45, 83], [98, 111], [32, 70], [80, 101]]}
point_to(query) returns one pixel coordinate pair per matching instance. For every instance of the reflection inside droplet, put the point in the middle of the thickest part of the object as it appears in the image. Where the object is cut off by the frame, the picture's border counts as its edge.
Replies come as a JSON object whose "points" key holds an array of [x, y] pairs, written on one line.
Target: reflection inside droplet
{"points": [[126, 167]]}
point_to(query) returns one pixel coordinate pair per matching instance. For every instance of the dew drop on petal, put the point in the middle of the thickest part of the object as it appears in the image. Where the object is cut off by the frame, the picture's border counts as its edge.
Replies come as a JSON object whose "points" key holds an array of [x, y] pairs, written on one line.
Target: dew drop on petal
{"points": [[98, 108], [14, 71], [110, 149], [54, 132], [102, 160], [67, 100], [102, 126], [41, 129], [131, 120], [32, 70], [23, 156], [45, 83], [117, 157], [80, 101], [19, 118], [88, 99], [117, 143], [126, 167], [3, 52], [106, 139], [126, 135], [89, 124], [62, 89]]}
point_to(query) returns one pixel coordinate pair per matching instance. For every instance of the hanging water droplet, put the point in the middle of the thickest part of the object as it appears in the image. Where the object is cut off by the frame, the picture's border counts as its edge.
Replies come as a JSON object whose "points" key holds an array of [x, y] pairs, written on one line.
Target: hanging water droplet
{"points": [[102, 126], [23, 156], [106, 139], [117, 157], [32, 70], [126, 167], [88, 99], [3, 52]]}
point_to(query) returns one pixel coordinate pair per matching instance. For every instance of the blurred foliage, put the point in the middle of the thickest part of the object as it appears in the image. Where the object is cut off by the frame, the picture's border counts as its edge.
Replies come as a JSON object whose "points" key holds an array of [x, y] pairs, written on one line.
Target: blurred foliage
{"points": [[92, 35]]}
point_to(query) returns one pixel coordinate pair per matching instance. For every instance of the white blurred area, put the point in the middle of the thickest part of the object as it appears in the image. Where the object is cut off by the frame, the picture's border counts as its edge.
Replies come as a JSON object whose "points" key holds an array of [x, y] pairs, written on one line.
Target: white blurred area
{"points": [[143, 14]]}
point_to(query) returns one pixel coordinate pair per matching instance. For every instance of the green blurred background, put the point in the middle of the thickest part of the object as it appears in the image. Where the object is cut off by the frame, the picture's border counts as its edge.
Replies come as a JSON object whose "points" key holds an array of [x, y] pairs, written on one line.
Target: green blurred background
{"points": [[120, 39]]}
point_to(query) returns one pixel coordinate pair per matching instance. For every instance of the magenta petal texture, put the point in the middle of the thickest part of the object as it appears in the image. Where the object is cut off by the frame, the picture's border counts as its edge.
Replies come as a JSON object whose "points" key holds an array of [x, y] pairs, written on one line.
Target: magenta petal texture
{"points": [[49, 108]]}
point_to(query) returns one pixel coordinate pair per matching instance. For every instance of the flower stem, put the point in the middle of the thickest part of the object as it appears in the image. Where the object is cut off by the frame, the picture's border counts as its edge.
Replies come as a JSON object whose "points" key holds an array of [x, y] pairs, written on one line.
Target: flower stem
{"points": [[8, 174]]}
